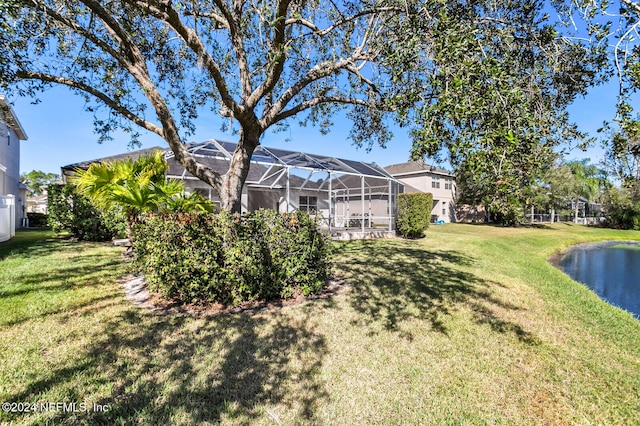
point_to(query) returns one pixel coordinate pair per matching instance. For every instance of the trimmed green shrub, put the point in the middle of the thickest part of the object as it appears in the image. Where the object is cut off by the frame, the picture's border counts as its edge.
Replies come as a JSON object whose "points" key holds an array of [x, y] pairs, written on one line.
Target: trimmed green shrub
{"points": [[414, 212], [73, 213], [37, 220], [228, 258]]}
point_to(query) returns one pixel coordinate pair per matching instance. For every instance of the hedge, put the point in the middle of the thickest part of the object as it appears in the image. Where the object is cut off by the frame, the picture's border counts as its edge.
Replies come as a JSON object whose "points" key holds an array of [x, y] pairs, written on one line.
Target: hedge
{"points": [[71, 212], [414, 213], [228, 258], [38, 220]]}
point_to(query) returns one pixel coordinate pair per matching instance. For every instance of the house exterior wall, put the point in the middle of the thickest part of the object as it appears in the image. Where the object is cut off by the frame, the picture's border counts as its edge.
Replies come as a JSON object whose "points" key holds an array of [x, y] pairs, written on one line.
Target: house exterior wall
{"points": [[321, 201], [10, 159], [344, 209], [254, 197], [10, 168], [443, 188], [263, 198]]}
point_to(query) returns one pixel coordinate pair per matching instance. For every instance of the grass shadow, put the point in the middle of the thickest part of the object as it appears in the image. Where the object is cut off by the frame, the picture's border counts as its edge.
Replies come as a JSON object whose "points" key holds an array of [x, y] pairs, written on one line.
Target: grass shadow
{"points": [[155, 369], [33, 243], [169, 370], [62, 278], [395, 281]]}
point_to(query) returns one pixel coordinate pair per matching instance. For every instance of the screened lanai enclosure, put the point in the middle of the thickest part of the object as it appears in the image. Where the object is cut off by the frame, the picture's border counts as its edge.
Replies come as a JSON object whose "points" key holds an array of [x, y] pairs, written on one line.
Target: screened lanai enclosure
{"points": [[343, 194], [351, 199]]}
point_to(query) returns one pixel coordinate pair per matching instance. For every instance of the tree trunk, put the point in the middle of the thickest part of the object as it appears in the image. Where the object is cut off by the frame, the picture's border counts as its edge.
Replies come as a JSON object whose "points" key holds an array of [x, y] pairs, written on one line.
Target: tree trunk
{"points": [[132, 220], [553, 214], [232, 182], [575, 215]]}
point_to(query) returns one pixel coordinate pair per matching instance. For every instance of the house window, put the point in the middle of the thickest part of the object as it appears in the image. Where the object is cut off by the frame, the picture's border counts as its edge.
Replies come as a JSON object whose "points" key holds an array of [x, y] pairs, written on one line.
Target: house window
{"points": [[448, 184], [435, 182], [308, 204]]}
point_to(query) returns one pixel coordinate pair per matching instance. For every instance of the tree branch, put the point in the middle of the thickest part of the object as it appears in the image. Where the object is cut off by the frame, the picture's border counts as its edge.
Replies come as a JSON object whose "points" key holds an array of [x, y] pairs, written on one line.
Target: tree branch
{"points": [[318, 72], [320, 100], [138, 69], [81, 31], [237, 42], [191, 38], [317, 31], [278, 46], [281, 20], [111, 103], [631, 4], [116, 31], [357, 73], [213, 16]]}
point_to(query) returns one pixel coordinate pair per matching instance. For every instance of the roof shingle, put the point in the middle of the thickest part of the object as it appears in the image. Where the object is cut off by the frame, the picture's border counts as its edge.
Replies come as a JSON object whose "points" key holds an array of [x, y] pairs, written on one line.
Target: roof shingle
{"points": [[412, 167]]}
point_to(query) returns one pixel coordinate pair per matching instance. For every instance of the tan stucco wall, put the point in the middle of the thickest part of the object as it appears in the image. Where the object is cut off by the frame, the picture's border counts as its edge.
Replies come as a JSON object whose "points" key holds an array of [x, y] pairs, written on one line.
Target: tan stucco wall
{"points": [[444, 200]]}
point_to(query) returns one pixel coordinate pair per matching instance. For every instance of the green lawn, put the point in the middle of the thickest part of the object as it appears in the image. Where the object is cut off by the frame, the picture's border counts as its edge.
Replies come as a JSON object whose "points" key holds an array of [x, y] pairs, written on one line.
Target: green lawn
{"points": [[470, 325]]}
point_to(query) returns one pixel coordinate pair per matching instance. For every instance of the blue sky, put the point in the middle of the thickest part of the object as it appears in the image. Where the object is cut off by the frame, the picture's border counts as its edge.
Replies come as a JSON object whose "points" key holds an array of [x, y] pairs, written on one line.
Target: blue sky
{"points": [[61, 133]]}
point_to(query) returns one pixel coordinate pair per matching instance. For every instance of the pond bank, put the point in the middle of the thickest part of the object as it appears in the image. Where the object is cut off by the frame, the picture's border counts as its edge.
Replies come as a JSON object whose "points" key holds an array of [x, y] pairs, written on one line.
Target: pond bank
{"points": [[555, 259], [608, 268]]}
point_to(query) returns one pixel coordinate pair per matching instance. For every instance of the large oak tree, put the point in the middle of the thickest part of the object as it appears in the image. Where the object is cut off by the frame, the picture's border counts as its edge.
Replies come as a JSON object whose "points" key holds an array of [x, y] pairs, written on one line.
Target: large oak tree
{"points": [[487, 81], [158, 64]]}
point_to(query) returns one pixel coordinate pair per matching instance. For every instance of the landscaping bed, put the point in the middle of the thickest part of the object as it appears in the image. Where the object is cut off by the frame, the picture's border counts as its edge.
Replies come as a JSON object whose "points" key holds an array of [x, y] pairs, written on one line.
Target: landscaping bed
{"points": [[470, 325]]}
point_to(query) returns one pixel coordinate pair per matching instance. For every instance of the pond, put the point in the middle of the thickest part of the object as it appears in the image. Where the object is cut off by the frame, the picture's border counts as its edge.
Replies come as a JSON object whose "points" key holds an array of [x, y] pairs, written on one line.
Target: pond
{"points": [[611, 269]]}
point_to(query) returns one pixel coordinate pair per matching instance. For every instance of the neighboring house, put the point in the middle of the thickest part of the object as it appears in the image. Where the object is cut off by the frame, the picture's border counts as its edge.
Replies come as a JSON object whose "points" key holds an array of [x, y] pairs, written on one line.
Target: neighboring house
{"points": [[419, 177], [12, 193], [344, 193], [38, 204]]}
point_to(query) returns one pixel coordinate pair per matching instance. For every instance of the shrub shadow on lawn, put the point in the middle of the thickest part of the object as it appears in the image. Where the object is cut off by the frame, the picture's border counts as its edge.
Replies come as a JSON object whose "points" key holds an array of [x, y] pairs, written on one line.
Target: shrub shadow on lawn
{"points": [[62, 279], [32, 244], [178, 369], [156, 369], [395, 281]]}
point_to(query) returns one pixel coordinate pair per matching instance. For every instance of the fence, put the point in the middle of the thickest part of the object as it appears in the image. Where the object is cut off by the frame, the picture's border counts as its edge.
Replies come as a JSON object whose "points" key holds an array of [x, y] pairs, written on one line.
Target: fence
{"points": [[7, 217], [546, 218]]}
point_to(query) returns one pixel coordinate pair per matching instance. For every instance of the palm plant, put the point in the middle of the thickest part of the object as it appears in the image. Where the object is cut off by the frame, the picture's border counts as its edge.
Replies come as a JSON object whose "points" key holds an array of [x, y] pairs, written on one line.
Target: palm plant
{"points": [[587, 180], [135, 186], [187, 203]]}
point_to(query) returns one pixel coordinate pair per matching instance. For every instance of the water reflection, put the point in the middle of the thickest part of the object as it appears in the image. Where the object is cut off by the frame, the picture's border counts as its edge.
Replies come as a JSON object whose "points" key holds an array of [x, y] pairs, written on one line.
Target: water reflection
{"points": [[611, 270]]}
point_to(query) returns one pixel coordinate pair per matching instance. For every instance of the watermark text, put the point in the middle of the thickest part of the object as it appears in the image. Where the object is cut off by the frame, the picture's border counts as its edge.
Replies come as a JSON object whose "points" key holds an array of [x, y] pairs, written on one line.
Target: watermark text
{"points": [[53, 407]]}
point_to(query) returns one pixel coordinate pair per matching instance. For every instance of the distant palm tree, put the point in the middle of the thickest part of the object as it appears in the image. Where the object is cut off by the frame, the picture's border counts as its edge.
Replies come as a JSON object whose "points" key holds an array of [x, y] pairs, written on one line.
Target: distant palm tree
{"points": [[587, 181], [137, 187]]}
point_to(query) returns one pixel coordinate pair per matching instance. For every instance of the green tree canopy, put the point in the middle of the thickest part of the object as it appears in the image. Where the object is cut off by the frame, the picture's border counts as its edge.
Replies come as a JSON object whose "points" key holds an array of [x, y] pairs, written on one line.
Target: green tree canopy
{"points": [[160, 64], [494, 80], [37, 180], [589, 180], [566, 182], [486, 80]]}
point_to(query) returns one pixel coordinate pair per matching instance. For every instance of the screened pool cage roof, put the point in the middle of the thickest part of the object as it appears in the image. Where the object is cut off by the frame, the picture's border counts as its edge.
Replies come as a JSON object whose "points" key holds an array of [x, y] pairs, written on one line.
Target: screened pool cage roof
{"points": [[274, 162]]}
